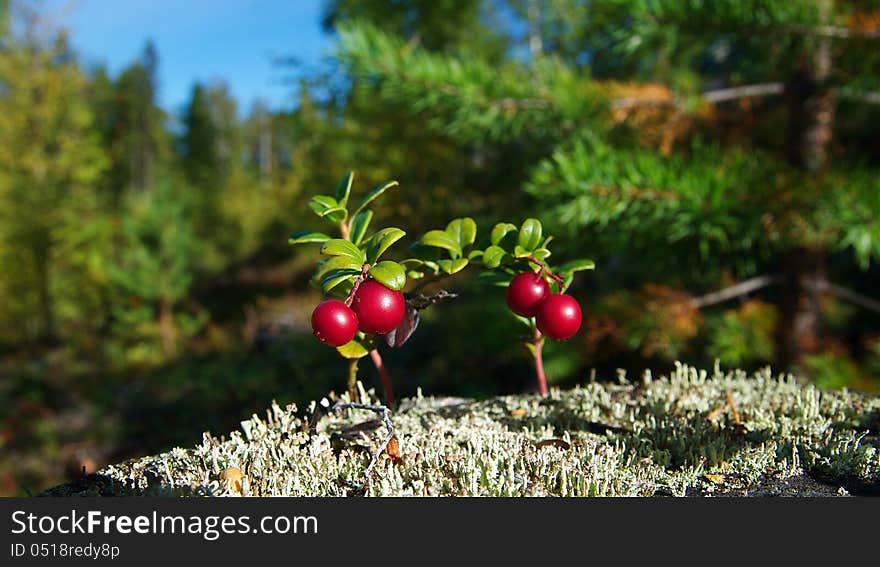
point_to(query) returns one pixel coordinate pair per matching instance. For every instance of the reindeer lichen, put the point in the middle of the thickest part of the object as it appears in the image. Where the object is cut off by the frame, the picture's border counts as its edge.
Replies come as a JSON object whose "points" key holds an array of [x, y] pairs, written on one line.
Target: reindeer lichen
{"points": [[692, 432]]}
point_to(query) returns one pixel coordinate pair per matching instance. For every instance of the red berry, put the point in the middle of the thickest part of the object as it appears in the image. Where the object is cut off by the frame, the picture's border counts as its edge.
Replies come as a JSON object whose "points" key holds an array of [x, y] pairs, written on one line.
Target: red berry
{"points": [[334, 323], [526, 292], [559, 316], [379, 309]]}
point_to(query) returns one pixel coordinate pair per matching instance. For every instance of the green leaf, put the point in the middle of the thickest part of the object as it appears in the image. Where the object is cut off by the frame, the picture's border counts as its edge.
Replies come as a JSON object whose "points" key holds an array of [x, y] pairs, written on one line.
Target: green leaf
{"points": [[433, 266], [453, 266], [463, 231], [336, 263], [359, 225], [343, 190], [342, 247], [474, 254], [353, 349], [415, 274], [390, 274], [541, 253], [410, 263], [380, 242], [576, 266], [493, 256], [500, 230], [307, 237], [530, 234], [501, 279], [374, 194], [327, 207], [441, 239], [333, 278], [520, 252]]}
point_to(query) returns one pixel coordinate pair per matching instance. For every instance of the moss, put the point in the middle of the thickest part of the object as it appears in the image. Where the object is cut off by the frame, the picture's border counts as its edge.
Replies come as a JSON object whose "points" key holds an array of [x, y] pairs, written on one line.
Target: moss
{"points": [[677, 435]]}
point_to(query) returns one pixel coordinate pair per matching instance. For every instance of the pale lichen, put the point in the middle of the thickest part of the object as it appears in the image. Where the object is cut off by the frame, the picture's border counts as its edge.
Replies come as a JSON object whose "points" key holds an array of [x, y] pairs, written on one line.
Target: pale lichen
{"points": [[692, 432]]}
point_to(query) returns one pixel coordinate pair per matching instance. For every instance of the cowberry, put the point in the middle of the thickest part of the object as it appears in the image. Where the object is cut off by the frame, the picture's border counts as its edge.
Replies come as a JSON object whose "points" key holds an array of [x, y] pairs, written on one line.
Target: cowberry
{"points": [[526, 292], [334, 323], [379, 309], [559, 316]]}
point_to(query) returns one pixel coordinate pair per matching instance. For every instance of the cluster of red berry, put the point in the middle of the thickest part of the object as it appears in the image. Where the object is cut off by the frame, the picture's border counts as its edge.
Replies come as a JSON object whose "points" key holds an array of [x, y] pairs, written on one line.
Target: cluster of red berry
{"points": [[558, 315], [374, 309]]}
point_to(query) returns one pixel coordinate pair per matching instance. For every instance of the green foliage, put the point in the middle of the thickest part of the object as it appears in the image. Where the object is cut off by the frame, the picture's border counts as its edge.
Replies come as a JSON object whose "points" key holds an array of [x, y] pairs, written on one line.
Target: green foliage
{"points": [[49, 165], [468, 97]]}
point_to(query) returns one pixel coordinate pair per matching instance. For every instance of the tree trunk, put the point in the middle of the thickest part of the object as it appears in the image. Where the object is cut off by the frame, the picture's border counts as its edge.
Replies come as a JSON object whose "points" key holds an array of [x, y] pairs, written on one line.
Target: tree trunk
{"points": [[799, 327], [811, 124], [167, 328]]}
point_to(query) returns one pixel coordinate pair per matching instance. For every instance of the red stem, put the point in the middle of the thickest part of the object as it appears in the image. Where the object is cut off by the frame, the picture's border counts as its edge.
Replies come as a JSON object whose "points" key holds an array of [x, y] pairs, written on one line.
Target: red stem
{"points": [[383, 374], [546, 271], [539, 363], [357, 284]]}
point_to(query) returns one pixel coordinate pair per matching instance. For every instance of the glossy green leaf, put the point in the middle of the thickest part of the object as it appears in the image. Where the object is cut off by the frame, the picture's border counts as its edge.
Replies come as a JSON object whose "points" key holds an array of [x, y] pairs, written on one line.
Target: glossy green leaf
{"points": [[541, 253], [530, 234], [415, 274], [359, 225], [410, 263], [337, 263], [374, 194], [441, 239], [453, 266], [342, 247], [343, 189], [390, 274], [463, 231], [307, 237], [576, 266], [327, 207], [493, 256], [333, 278], [353, 350], [500, 230], [380, 242], [474, 254], [521, 252]]}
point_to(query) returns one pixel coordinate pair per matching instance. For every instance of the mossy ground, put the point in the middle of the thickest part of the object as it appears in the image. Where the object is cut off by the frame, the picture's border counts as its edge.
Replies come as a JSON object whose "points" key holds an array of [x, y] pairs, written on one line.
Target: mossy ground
{"points": [[677, 435]]}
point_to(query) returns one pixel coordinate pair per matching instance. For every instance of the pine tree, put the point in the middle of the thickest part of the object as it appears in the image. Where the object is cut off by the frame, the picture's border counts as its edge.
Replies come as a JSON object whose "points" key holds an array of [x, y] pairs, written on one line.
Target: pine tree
{"points": [[691, 140], [49, 163]]}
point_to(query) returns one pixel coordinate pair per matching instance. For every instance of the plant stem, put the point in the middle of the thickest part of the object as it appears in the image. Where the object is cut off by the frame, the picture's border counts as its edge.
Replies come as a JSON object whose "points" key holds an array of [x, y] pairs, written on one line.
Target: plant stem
{"points": [[539, 362], [545, 270], [383, 374], [352, 380], [357, 285]]}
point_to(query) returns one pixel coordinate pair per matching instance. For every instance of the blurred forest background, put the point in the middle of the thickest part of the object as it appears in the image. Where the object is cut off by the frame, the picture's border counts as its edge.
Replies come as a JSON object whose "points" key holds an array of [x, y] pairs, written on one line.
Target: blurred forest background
{"points": [[719, 161]]}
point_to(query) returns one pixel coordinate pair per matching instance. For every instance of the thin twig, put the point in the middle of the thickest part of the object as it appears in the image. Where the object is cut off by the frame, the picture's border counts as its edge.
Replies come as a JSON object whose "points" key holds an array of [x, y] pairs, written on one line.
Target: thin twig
{"points": [[735, 291], [736, 419], [745, 91], [383, 411], [843, 293]]}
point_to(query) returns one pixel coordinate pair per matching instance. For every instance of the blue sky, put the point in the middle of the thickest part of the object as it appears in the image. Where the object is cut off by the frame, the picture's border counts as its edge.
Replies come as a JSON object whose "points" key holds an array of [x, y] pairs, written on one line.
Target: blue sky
{"points": [[200, 40]]}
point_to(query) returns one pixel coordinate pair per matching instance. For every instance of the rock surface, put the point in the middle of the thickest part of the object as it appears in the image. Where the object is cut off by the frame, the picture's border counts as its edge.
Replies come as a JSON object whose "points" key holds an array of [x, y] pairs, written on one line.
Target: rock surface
{"points": [[693, 433]]}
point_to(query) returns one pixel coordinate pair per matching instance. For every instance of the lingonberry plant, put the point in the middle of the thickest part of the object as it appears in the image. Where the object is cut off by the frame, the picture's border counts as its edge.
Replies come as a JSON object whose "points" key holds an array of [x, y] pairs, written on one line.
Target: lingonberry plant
{"points": [[517, 258], [367, 305]]}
